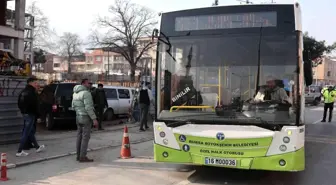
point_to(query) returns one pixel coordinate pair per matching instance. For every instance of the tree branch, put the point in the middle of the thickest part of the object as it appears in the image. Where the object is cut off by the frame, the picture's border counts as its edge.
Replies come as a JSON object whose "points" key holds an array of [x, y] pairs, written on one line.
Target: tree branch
{"points": [[127, 25]]}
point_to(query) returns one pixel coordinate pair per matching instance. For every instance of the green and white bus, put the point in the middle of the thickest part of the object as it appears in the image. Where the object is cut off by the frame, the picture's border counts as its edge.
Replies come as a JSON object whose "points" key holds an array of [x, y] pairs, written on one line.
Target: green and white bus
{"points": [[230, 85]]}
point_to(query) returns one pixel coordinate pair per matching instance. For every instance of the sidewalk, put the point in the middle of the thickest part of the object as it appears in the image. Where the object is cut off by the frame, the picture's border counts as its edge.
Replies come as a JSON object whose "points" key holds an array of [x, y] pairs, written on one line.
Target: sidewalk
{"points": [[64, 144]]}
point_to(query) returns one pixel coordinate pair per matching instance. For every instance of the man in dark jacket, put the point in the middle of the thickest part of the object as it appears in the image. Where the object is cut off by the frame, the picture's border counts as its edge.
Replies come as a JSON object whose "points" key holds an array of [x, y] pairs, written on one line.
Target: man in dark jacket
{"points": [[145, 100], [28, 104], [100, 102]]}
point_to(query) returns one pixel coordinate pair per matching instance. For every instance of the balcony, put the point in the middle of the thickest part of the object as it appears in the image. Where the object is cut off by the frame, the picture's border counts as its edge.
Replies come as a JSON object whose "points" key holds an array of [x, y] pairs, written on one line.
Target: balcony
{"points": [[8, 31]]}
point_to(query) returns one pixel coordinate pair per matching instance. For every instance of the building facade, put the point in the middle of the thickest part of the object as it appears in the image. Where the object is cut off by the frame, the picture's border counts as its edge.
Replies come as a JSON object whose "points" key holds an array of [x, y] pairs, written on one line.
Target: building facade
{"points": [[60, 64], [16, 30], [325, 73], [105, 61]]}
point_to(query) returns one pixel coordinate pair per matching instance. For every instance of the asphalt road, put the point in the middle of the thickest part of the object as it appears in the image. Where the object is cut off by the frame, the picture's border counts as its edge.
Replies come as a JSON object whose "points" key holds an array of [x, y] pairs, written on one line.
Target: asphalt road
{"points": [[141, 170]]}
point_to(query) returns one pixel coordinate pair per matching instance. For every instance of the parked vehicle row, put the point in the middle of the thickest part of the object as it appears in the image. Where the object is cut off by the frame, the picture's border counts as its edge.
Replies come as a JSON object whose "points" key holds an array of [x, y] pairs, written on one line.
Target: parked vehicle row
{"points": [[119, 101]]}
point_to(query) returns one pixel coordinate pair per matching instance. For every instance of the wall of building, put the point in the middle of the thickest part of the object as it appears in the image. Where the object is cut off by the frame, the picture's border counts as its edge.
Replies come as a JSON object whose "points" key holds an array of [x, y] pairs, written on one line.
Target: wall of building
{"points": [[325, 73], [3, 7]]}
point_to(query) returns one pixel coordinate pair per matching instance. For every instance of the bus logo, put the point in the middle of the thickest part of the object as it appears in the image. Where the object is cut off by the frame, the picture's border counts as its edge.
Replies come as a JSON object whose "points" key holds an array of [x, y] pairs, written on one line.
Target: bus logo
{"points": [[182, 138], [220, 136], [186, 148]]}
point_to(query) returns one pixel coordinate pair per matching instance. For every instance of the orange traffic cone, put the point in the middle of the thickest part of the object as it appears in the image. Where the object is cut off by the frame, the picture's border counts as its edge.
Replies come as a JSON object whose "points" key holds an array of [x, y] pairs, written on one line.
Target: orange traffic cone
{"points": [[125, 152], [3, 176]]}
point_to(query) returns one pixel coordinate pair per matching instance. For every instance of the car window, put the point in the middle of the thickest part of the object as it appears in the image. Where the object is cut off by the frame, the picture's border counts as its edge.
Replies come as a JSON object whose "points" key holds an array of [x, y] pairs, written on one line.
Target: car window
{"points": [[111, 93], [53, 87], [65, 89], [124, 94]]}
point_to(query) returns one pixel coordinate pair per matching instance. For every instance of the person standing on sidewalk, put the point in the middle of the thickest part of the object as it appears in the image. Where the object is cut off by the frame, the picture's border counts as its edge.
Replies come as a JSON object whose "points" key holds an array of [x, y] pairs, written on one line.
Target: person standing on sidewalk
{"points": [[329, 95], [28, 103], [145, 99], [83, 105], [100, 102]]}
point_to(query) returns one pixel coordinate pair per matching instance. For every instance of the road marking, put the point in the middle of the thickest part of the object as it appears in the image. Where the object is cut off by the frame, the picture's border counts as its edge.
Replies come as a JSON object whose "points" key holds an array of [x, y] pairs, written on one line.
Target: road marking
{"points": [[321, 141], [317, 109], [317, 121]]}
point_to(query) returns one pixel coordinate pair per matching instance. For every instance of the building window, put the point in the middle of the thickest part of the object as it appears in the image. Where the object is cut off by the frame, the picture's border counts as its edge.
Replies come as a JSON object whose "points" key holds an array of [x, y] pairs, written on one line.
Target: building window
{"points": [[118, 58], [57, 65], [106, 67], [98, 58], [328, 73]]}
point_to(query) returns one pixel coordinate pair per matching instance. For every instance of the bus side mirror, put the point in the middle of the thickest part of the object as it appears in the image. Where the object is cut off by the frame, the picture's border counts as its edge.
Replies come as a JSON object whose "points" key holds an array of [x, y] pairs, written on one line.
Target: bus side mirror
{"points": [[308, 72]]}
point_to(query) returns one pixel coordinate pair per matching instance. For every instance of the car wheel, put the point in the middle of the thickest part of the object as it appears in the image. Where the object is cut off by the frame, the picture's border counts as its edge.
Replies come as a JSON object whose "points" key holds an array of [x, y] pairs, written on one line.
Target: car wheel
{"points": [[316, 101], [109, 115], [49, 122]]}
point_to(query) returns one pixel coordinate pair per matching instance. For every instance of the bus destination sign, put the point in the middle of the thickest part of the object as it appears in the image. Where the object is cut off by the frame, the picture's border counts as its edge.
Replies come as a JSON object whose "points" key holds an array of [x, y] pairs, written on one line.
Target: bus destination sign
{"points": [[226, 21]]}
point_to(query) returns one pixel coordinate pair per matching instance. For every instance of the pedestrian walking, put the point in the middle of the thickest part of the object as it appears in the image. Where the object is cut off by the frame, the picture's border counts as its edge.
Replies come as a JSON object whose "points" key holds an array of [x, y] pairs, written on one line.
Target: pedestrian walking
{"points": [[28, 103], [145, 99], [329, 95], [83, 105], [100, 102]]}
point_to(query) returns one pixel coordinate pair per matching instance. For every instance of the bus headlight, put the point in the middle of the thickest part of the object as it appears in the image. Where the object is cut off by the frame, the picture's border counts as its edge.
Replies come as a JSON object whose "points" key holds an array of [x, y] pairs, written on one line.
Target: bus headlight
{"points": [[162, 134], [158, 128], [289, 132], [282, 162], [165, 154], [283, 148], [165, 141], [286, 140]]}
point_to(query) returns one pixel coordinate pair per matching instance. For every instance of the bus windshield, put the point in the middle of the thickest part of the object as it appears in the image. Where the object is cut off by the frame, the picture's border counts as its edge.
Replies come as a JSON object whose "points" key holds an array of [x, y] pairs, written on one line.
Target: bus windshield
{"points": [[213, 79]]}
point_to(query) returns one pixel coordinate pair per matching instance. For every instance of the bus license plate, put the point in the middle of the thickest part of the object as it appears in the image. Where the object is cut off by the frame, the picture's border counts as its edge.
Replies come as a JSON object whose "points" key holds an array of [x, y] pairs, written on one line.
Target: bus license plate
{"points": [[222, 162]]}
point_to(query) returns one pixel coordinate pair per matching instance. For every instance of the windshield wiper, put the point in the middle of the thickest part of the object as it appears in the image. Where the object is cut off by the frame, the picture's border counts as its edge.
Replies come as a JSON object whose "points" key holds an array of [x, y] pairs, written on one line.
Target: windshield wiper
{"points": [[155, 34]]}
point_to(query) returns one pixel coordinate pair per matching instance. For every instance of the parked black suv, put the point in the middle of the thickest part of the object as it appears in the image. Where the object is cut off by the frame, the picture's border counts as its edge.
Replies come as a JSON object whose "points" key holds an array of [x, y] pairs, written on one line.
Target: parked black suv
{"points": [[61, 109]]}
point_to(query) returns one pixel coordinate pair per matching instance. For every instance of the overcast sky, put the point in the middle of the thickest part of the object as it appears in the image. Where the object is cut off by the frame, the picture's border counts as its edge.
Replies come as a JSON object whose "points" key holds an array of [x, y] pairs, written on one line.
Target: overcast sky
{"points": [[319, 17]]}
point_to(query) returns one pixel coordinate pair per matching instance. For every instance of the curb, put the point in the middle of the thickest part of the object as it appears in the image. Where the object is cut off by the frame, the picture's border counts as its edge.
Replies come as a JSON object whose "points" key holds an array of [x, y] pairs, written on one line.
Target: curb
{"points": [[11, 166], [94, 131]]}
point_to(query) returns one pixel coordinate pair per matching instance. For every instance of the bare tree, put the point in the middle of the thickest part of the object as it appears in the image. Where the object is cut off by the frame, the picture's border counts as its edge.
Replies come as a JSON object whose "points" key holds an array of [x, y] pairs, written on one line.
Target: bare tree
{"points": [[127, 26], [42, 32], [70, 46]]}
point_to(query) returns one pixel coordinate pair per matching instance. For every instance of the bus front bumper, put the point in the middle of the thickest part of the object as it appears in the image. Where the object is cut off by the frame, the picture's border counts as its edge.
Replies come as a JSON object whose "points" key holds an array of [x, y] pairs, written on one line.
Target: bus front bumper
{"points": [[291, 161]]}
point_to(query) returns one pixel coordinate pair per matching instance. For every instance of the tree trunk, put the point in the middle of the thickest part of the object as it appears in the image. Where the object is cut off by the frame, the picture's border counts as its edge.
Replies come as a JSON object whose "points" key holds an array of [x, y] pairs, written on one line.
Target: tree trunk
{"points": [[133, 67], [69, 65]]}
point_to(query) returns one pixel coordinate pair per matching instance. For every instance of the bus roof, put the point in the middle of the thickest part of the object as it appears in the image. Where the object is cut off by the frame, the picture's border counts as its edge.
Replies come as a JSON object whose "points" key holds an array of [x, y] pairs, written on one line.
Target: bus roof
{"points": [[228, 6]]}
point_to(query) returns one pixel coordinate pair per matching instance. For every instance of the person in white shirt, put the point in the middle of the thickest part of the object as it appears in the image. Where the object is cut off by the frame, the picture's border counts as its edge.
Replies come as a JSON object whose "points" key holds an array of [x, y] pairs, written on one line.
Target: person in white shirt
{"points": [[145, 99]]}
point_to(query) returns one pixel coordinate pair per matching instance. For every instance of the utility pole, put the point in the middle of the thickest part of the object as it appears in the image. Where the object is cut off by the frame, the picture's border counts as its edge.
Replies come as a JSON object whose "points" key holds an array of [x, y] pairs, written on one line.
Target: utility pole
{"points": [[215, 3]]}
